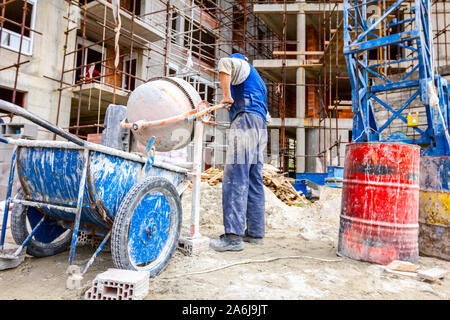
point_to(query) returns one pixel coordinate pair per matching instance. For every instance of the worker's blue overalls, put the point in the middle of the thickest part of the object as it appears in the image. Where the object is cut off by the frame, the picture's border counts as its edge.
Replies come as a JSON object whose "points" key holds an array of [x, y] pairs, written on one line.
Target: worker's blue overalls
{"points": [[243, 189]]}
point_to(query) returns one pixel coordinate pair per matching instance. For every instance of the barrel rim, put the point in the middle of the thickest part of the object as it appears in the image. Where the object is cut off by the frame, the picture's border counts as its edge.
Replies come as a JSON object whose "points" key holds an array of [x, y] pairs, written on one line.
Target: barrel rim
{"points": [[387, 143]]}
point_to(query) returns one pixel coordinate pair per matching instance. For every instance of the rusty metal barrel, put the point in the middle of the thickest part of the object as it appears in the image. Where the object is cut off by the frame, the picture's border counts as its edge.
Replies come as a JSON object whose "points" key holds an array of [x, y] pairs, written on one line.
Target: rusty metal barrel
{"points": [[162, 98], [380, 203], [434, 207]]}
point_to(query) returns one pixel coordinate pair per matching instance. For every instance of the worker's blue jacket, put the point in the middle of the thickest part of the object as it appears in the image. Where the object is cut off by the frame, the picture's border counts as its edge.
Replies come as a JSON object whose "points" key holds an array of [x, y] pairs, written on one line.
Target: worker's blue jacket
{"points": [[250, 95]]}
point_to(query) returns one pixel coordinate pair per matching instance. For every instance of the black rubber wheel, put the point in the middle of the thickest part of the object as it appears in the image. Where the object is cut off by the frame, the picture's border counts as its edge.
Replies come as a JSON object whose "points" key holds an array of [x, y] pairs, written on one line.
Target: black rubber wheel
{"points": [[147, 226], [50, 238]]}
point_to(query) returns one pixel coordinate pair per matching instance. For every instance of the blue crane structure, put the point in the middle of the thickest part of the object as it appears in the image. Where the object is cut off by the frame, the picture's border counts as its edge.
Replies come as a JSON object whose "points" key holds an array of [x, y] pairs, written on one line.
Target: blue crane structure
{"points": [[377, 26]]}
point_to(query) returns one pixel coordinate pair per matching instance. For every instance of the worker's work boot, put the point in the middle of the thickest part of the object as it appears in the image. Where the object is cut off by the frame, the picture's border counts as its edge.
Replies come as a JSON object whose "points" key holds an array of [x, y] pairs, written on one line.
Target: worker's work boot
{"points": [[227, 242], [250, 239]]}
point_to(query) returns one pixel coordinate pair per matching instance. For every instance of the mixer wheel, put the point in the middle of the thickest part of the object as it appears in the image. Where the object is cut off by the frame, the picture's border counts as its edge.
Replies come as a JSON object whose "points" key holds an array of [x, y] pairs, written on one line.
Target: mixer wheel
{"points": [[50, 238], [147, 226]]}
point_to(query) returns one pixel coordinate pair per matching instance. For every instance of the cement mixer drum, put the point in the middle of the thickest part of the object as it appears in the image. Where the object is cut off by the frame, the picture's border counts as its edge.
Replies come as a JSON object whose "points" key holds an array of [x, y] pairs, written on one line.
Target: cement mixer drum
{"points": [[162, 98]]}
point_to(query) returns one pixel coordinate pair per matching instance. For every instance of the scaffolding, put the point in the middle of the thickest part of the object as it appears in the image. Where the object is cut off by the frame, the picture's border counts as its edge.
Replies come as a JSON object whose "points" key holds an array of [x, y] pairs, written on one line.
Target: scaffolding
{"points": [[18, 37], [191, 47]]}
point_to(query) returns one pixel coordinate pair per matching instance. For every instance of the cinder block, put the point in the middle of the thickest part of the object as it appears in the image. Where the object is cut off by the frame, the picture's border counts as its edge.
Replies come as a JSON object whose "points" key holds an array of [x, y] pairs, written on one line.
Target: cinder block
{"points": [[194, 246], [19, 130], [117, 284], [85, 238], [82, 238]]}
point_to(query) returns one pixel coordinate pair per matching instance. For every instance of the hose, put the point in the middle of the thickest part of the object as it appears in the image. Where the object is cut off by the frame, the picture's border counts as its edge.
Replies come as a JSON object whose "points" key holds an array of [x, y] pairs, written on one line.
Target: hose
{"points": [[247, 262]]}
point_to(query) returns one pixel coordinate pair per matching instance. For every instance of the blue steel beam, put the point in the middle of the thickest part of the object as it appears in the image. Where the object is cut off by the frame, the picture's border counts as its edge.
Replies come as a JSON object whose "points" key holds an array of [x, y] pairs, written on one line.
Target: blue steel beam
{"points": [[382, 42]]}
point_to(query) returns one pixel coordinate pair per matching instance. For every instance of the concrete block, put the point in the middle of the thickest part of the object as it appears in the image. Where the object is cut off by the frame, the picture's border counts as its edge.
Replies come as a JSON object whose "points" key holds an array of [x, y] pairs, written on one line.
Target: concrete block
{"points": [[117, 284], [193, 246], [85, 238], [19, 130], [75, 277]]}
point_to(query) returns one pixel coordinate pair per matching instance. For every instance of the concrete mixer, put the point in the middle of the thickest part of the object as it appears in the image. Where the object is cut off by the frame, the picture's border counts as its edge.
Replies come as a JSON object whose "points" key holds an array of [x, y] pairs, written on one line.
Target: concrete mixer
{"points": [[133, 200]]}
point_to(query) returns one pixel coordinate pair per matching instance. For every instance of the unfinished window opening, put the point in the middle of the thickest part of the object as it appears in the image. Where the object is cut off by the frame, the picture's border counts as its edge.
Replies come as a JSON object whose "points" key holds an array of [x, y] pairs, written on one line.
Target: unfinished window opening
{"points": [[203, 48], [238, 27], [172, 72], [190, 80], [260, 45], [7, 95], [205, 90], [129, 75], [89, 70], [174, 24], [210, 94], [209, 6], [126, 5], [12, 26]]}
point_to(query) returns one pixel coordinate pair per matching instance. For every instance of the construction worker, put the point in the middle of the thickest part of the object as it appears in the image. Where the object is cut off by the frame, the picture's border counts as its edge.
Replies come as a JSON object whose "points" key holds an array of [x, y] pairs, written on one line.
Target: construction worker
{"points": [[242, 183]]}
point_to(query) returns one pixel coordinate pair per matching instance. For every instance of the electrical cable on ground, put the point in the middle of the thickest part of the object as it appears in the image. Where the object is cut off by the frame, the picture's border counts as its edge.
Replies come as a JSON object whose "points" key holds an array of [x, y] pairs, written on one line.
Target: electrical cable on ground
{"points": [[246, 262]]}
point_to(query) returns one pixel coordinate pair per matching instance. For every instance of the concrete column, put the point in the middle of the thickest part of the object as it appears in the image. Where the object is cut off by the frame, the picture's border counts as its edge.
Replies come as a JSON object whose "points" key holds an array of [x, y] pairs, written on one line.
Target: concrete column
{"points": [[301, 99]]}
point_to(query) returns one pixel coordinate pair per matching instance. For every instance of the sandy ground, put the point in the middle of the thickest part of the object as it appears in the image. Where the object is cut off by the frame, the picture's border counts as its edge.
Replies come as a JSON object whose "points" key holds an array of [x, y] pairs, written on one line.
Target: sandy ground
{"points": [[297, 261]]}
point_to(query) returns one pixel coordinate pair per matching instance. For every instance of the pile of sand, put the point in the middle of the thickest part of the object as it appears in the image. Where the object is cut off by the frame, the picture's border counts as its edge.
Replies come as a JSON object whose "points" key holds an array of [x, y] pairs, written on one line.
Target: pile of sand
{"points": [[315, 221]]}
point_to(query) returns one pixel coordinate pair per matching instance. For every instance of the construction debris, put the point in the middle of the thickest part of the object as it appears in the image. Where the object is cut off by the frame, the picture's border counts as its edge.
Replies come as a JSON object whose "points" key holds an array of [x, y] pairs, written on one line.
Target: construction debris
{"points": [[402, 273], [280, 185], [213, 176], [432, 274], [8, 258], [118, 284], [404, 266]]}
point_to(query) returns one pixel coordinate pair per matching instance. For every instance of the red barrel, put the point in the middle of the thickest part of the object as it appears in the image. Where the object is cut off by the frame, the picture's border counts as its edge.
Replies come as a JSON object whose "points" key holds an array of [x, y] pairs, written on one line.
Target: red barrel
{"points": [[380, 203]]}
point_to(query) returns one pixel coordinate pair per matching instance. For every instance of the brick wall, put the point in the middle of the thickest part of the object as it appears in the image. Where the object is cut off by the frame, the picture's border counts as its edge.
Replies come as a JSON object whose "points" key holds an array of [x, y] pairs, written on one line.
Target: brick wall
{"points": [[312, 99], [312, 96]]}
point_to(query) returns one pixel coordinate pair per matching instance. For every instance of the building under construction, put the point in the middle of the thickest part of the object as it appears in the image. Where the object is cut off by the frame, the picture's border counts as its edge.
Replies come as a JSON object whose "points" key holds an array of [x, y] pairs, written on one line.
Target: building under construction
{"points": [[360, 84], [69, 60]]}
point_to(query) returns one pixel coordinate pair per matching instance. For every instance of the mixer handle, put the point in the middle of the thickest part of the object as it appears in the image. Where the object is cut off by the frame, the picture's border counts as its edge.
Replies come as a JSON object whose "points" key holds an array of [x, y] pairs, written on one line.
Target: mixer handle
{"points": [[189, 115]]}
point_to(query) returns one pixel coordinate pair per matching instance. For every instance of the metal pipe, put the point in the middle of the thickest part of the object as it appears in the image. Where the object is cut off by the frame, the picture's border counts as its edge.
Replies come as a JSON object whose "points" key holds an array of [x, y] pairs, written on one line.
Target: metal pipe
{"points": [[12, 108], [8, 195], [197, 171], [79, 205]]}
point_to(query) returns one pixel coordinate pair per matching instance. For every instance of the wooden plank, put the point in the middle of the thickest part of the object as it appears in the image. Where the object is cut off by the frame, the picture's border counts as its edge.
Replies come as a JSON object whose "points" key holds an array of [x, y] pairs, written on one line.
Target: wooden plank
{"points": [[214, 180], [399, 265], [332, 107], [408, 274]]}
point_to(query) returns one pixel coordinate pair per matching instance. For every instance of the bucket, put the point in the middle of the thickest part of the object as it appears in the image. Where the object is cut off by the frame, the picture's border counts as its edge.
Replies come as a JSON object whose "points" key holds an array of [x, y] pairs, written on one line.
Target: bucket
{"points": [[380, 203]]}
